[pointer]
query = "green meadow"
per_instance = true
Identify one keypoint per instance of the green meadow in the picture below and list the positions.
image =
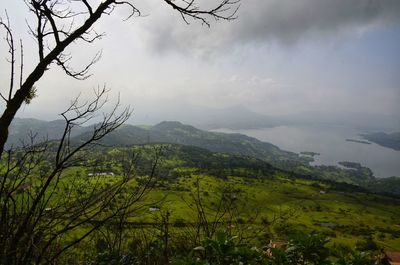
(264, 203)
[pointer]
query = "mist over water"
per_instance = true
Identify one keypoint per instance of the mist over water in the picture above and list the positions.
(330, 142)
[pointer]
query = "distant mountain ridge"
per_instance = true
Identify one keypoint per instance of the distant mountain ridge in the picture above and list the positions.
(237, 117)
(23, 131)
(172, 132)
(177, 133)
(240, 117)
(233, 117)
(165, 132)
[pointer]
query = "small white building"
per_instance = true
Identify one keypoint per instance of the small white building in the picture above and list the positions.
(101, 174)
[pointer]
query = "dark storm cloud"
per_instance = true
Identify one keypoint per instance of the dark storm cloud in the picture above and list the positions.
(284, 21)
(291, 20)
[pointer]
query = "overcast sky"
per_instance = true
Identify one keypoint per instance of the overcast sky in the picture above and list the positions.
(278, 57)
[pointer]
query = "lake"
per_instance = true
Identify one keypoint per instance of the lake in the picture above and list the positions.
(330, 142)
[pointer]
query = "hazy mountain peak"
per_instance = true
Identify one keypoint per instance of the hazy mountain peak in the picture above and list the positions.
(168, 124)
(171, 125)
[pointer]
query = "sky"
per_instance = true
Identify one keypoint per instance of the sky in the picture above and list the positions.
(279, 57)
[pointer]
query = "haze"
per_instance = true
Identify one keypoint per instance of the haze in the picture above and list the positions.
(277, 58)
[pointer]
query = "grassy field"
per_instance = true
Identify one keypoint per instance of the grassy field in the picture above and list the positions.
(280, 206)
(241, 195)
(267, 204)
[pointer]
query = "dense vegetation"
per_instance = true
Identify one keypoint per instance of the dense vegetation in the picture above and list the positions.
(203, 207)
(237, 144)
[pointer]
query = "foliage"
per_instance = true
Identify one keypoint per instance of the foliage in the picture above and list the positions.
(307, 249)
(265, 156)
(193, 205)
(302, 249)
(223, 250)
(357, 258)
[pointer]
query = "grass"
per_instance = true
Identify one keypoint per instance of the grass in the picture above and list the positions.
(286, 203)
(270, 204)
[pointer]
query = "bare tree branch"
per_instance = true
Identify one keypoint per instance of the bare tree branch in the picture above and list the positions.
(34, 211)
(22, 229)
(225, 10)
(11, 50)
(53, 38)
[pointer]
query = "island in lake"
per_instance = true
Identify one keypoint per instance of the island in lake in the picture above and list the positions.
(358, 141)
(348, 164)
(390, 140)
(307, 153)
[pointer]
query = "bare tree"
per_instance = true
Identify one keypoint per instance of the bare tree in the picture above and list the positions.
(222, 213)
(41, 207)
(59, 24)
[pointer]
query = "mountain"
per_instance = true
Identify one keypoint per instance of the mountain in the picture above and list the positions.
(172, 132)
(234, 117)
(23, 131)
(240, 117)
(237, 144)
(178, 133)
(360, 121)
(175, 132)
(165, 132)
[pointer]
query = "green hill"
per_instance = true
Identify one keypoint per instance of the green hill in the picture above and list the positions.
(178, 133)
(273, 203)
(236, 144)
(23, 131)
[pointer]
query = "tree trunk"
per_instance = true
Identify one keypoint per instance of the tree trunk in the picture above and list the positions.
(16, 102)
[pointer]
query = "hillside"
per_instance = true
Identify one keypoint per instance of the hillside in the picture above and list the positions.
(236, 144)
(390, 140)
(22, 131)
(274, 203)
(164, 132)
(219, 142)
(193, 196)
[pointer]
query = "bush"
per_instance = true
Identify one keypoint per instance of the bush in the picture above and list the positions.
(308, 249)
(367, 244)
(222, 250)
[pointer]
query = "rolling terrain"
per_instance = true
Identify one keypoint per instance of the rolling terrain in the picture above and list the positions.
(268, 203)
(235, 144)
(190, 194)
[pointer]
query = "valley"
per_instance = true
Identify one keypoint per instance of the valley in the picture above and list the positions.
(182, 185)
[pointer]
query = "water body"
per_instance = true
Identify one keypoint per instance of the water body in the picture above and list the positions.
(330, 142)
